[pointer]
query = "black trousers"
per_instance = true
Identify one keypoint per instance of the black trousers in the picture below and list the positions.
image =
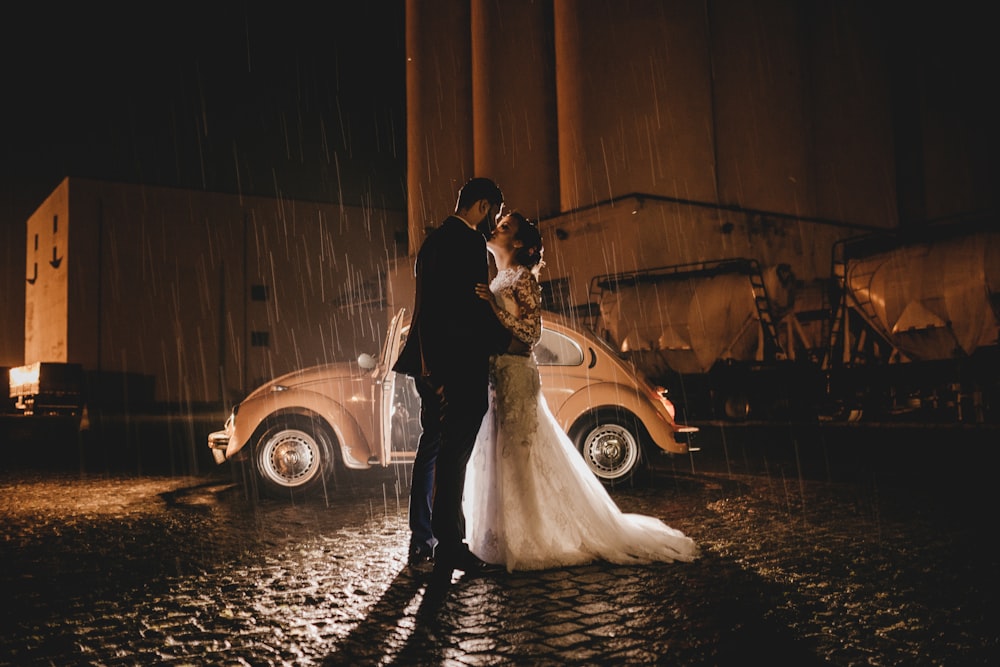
(455, 410)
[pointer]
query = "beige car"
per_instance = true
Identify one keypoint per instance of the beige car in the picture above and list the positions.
(297, 429)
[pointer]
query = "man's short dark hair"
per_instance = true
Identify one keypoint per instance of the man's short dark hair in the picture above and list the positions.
(476, 189)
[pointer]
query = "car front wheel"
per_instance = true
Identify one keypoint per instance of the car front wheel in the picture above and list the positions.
(293, 456)
(610, 447)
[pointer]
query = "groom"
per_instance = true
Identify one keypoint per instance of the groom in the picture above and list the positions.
(452, 335)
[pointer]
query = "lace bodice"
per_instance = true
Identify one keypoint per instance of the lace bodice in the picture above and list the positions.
(520, 299)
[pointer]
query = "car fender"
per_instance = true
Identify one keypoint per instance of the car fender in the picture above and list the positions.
(657, 421)
(354, 445)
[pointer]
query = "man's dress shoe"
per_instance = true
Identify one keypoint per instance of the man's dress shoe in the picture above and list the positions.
(420, 557)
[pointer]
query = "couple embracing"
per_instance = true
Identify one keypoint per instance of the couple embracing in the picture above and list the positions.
(496, 482)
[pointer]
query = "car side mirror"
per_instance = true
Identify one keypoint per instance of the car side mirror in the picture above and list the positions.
(367, 361)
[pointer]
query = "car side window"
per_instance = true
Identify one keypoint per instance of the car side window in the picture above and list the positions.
(555, 349)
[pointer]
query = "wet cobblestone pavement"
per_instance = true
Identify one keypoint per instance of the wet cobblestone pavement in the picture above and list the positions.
(804, 562)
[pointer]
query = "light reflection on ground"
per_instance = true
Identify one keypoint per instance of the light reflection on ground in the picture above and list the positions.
(865, 567)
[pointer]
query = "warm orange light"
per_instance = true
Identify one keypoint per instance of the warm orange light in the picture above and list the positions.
(24, 379)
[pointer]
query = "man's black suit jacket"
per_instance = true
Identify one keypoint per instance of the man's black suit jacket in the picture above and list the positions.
(452, 332)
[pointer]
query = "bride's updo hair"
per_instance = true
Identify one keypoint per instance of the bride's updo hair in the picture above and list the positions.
(529, 254)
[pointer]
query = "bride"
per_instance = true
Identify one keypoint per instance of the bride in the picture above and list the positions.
(530, 502)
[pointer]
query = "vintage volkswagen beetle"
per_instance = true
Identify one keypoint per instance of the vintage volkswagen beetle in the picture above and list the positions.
(297, 430)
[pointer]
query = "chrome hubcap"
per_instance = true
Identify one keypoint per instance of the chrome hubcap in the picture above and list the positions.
(290, 458)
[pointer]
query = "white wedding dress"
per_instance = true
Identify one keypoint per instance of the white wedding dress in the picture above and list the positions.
(530, 501)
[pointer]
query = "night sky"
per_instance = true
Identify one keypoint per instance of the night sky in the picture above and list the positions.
(301, 100)
(306, 103)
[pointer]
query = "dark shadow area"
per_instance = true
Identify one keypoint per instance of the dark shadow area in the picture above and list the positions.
(390, 626)
(561, 617)
(161, 442)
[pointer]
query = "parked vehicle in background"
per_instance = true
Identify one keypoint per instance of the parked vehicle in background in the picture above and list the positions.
(296, 430)
(906, 328)
(47, 389)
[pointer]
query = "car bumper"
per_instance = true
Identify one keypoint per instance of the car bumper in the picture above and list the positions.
(218, 441)
(687, 433)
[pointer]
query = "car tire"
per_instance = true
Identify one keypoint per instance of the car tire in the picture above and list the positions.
(610, 444)
(294, 456)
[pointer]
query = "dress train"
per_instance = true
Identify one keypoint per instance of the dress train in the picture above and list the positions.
(531, 502)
